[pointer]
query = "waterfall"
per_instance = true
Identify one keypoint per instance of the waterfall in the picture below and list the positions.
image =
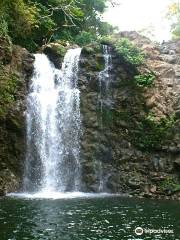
(104, 82)
(53, 126)
(104, 76)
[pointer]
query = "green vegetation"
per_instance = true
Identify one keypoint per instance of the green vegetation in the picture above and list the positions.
(3, 28)
(150, 132)
(146, 133)
(58, 47)
(170, 185)
(144, 80)
(8, 90)
(176, 187)
(84, 38)
(61, 51)
(107, 39)
(32, 23)
(124, 47)
(129, 52)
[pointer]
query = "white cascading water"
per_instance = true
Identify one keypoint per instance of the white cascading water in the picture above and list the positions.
(104, 76)
(104, 81)
(53, 126)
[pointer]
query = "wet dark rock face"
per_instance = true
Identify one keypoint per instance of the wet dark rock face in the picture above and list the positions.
(16, 66)
(134, 156)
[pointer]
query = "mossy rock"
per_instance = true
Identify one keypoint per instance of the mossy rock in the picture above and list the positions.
(170, 185)
(5, 51)
(56, 53)
(87, 50)
(149, 133)
(92, 49)
(8, 90)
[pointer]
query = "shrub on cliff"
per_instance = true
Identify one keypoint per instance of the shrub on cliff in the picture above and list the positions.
(84, 38)
(129, 52)
(151, 132)
(125, 48)
(144, 80)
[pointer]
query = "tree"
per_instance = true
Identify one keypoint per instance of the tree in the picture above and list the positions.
(18, 20)
(32, 23)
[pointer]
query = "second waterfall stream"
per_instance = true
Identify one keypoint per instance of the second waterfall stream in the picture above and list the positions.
(53, 127)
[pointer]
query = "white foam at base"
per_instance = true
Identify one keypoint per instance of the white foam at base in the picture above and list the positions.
(59, 195)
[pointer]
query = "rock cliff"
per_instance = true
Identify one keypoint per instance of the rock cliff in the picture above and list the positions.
(16, 66)
(133, 137)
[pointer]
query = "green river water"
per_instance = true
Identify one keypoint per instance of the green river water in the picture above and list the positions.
(88, 218)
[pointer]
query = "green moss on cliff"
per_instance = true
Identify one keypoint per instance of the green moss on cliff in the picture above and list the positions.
(124, 47)
(145, 133)
(57, 48)
(144, 80)
(150, 133)
(129, 52)
(170, 185)
(5, 51)
(93, 48)
(8, 89)
(7, 80)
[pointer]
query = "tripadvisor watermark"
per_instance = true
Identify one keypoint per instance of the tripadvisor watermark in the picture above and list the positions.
(140, 231)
